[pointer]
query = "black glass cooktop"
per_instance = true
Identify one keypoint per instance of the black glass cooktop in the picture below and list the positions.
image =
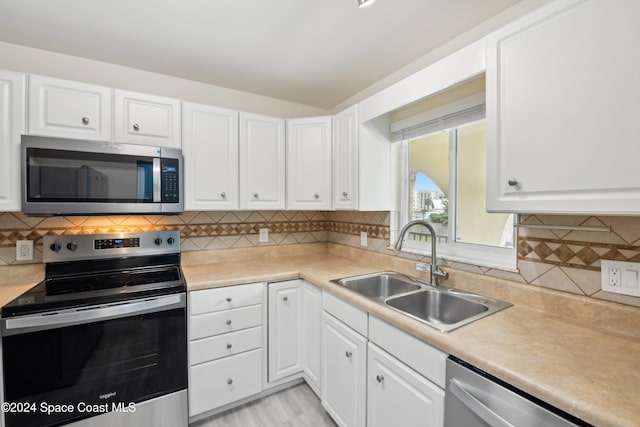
(84, 283)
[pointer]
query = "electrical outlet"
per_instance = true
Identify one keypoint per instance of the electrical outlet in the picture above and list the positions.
(24, 250)
(620, 277)
(264, 235)
(363, 239)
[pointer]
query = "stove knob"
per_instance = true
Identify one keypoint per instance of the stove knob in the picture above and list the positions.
(170, 240)
(158, 241)
(72, 246)
(55, 247)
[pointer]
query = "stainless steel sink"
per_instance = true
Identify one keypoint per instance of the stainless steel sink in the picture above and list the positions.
(442, 308)
(379, 286)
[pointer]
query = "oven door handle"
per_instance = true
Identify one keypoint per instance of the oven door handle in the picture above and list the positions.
(70, 317)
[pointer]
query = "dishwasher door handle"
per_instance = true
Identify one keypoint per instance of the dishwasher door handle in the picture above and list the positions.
(475, 406)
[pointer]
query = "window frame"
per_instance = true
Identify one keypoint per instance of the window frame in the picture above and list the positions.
(468, 253)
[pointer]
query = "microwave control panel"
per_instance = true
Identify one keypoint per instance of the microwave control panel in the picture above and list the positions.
(170, 181)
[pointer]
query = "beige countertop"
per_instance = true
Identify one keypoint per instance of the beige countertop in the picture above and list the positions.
(589, 372)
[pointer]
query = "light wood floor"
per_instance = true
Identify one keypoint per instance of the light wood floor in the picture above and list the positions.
(297, 406)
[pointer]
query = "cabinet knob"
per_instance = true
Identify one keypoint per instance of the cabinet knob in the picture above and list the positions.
(512, 182)
(379, 378)
(136, 127)
(229, 345)
(348, 354)
(255, 195)
(85, 120)
(345, 194)
(230, 381)
(223, 195)
(229, 322)
(229, 299)
(316, 195)
(285, 299)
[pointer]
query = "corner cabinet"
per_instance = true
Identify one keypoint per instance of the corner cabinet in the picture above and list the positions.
(210, 149)
(68, 109)
(262, 162)
(562, 110)
(311, 339)
(12, 123)
(345, 159)
(147, 119)
(309, 163)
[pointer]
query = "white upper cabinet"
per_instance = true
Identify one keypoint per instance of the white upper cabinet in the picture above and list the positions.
(147, 119)
(309, 163)
(68, 109)
(562, 110)
(262, 162)
(210, 149)
(345, 159)
(12, 118)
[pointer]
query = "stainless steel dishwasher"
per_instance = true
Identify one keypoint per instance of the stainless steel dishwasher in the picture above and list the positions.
(475, 398)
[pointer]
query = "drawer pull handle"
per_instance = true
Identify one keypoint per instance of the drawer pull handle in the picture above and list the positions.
(348, 354)
(316, 195)
(513, 182)
(136, 127)
(230, 381)
(229, 345)
(285, 299)
(85, 120)
(229, 322)
(379, 378)
(223, 195)
(228, 299)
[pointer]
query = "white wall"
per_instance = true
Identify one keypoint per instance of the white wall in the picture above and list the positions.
(28, 60)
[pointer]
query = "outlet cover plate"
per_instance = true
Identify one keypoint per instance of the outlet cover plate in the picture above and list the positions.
(620, 277)
(264, 235)
(24, 250)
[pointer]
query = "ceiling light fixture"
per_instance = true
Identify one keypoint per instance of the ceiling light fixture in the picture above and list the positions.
(365, 3)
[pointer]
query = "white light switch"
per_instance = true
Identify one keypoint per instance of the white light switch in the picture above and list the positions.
(363, 239)
(264, 235)
(620, 277)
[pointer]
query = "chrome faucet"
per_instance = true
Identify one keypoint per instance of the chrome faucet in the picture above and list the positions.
(435, 271)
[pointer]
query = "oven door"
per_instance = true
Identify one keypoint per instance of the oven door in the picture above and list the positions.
(79, 363)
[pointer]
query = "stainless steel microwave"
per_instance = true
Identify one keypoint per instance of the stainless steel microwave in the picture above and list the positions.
(72, 177)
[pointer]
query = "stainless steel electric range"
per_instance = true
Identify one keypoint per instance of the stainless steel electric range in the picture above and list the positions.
(102, 340)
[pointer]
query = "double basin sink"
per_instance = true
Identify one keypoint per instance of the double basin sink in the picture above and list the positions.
(442, 308)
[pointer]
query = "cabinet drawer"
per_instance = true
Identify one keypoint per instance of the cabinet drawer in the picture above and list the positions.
(213, 348)
(223, 381)
(222, 322)
(210, 300)
(352, 316)
(428, 361)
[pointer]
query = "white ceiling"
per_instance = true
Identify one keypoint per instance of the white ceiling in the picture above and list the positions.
(317, 53)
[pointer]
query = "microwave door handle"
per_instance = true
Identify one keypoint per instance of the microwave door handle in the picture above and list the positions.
(24, 324)
(157, 185)
(475, 406)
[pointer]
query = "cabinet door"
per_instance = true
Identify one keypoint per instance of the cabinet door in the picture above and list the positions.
(284, 329)
(12, 115)
(210, 149)
(344, 366)
(562, 110)
(147, 119)
(397, 395)
(345, 159)
(262, 162)
(311, 337)
(68, 109)
(309, 163)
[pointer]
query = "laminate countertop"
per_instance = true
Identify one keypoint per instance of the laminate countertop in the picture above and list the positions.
(590, 372)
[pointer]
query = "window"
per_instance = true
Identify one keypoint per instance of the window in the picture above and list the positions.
(444, 183)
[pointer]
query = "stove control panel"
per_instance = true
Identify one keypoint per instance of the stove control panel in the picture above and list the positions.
(92, 246)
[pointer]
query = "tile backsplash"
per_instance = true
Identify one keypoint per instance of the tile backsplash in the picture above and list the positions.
(558, 259)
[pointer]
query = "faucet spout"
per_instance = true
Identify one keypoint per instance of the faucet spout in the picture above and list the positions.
(434, 271)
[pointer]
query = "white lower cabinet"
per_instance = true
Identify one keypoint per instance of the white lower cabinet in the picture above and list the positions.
(311, 338)
(284, 329)
(344, 370)
(399, 396)
(225, 346)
